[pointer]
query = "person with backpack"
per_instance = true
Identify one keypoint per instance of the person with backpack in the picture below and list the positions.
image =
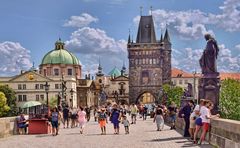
(102, 120)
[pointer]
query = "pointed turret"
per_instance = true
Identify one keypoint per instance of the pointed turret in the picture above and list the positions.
(99, 73)
(123, 70)
(146, 31)
(129, 39)
(167, 37)
(161, 39)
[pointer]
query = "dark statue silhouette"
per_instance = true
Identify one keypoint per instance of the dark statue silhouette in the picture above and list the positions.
(209, 57)
(209, 85)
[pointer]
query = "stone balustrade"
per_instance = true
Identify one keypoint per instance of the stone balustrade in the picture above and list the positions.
(8, 126)
(223, 133)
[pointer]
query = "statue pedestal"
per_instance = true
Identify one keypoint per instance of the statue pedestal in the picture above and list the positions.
(209, 88)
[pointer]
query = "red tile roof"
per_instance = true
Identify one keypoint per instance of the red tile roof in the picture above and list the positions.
(235, 76)
(183, 74)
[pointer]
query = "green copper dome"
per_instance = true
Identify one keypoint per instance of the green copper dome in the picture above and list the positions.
(60, 55)
(115, 72)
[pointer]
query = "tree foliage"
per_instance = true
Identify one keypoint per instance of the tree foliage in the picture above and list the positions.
(53, 102)
(173, 94)
(230, 99)
(11, 99)
(4, 108)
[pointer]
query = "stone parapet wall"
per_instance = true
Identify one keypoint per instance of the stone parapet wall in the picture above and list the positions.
(225, 133)
(7, 126)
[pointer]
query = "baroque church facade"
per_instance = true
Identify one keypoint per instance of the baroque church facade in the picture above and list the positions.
(149, 62)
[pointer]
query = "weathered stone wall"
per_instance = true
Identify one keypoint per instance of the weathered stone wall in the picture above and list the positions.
(7, 126)
(224, 133)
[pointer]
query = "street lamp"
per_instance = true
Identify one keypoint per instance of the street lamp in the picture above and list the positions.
(194, 85)
(71, 100)
(47, 90)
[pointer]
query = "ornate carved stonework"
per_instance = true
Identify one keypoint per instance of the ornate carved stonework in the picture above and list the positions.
(149, 61)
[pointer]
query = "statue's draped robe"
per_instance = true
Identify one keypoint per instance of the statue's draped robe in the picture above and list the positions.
(208, 59)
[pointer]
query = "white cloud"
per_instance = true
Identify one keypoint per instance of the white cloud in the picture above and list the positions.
(230, 17)
(80, 21)
(193, 24)
(14, 58)
(95, 41)
(92, 43)
(238, 47)
(188, 59)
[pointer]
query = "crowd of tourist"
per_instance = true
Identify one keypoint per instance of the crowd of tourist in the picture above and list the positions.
(196, 117)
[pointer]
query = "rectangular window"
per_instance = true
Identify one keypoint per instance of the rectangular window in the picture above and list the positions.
(41, 86)
(186, 81)
(56, 72)
(143, 61)
(37, 97)
(70, 72)
(19, 86)
(42, 97)
(154, 61)
(24, 86)
(56, 86)
(140, 61)
(147, 61)
(180, 81)
(25, 98)
(36, 86)
(19, 98)
(150, 61)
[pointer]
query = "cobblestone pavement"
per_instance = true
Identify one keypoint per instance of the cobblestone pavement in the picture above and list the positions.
(142, 135)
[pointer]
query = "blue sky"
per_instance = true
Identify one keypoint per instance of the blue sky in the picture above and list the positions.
(99, 28)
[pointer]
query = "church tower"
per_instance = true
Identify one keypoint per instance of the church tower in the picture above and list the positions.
(149, 61)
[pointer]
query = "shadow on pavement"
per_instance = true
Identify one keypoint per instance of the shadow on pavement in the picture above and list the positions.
(168, 139)
(41, 136)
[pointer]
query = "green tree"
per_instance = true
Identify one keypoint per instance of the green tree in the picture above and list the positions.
(4, 108)
(11, 99)
(173, 94)
(230, 99)
(52, 102)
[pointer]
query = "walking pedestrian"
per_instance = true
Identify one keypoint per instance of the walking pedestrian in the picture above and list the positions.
(115, 118)
(134, 111)
(126, 124)
(172, 114)
(102, 120)
(55, 117)
(65, 117)
(81, 119)
(158, 118)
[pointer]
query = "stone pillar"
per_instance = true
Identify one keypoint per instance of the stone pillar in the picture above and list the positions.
(209, 88)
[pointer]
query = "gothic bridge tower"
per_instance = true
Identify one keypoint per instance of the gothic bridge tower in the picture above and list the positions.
(149, 63)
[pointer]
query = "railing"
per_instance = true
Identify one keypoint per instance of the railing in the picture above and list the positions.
(8, 126)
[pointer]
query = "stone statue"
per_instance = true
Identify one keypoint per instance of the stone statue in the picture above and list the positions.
(209, 57)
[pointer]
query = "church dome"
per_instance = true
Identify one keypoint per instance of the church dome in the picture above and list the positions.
(59, 55)
(115, 72)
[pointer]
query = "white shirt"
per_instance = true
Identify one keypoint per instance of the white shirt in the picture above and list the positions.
(204, 111)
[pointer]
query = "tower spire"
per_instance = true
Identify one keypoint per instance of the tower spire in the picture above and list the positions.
(167, 37)
(129, 38)
(99, 73)
(151, 10)
(141, 10)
